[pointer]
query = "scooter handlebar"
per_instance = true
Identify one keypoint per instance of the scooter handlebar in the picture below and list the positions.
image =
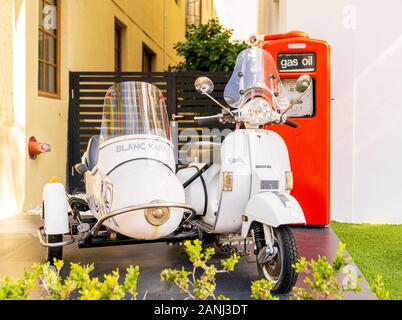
(202, 121)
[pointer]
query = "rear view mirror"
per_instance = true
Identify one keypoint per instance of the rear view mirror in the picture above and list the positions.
(204, 85)
(303, 83)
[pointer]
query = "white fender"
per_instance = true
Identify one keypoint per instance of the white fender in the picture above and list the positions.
(55, 209)
(274, 209)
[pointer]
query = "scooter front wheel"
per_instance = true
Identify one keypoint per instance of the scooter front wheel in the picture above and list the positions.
(279, 269)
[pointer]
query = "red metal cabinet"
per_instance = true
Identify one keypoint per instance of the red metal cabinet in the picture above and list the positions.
(310, 144)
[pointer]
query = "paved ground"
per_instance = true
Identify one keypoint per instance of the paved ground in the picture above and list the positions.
(20, 248)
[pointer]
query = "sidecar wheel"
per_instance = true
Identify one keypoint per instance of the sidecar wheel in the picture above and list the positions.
(280, 270)
(54, 253)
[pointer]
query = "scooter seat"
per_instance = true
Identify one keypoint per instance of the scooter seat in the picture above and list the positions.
(91, 155)
(204, 152)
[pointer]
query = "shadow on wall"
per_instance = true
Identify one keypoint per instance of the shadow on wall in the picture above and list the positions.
(378, 138)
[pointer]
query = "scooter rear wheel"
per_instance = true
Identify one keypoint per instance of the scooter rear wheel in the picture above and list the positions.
(279, 270)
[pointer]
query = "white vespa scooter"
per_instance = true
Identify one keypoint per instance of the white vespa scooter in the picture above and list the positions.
(247, 187)
(134, 196)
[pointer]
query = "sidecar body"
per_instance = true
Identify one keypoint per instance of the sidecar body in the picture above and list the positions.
(132, 192)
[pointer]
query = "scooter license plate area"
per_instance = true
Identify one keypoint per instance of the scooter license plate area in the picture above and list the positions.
(269, 184)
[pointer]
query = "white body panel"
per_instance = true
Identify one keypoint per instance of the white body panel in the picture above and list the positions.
(55, 209)
(235, 155)
(117, 151)
(135, 170)
(259, 162)
(273, 209)
(195, 194)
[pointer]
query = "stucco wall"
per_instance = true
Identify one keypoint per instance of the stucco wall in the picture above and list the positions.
(208, 10)
(87, 44)
(366, 41)
(6, 54)
(12, 126)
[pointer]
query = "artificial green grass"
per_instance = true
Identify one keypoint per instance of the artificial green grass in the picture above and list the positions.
(377, 250)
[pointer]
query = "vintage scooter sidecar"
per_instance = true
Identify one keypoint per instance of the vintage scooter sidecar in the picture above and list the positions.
(136, 164)
(129, 170)
(240, 198)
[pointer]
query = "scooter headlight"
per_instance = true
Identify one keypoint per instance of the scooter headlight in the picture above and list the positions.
(257, 112)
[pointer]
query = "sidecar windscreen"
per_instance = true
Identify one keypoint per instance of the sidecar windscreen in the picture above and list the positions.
(255, 74)
(133, 108)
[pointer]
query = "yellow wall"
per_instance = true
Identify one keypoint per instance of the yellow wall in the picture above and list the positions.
(87, 44)
(12, 126)
(208, 10)
(6, 74)
(272, 16)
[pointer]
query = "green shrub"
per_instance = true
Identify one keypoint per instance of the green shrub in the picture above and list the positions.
(131, 281)
(51, 284)
(323, 278)
(208, 48)
(20, 289)
(200, 283)
(261, 290)
(79, 282)
(378, 288)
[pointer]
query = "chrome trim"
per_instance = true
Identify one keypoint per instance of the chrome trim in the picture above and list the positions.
(281, 196)
(113, 214)
(53, 245)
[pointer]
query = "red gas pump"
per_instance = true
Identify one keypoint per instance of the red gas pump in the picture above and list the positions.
(309, 146)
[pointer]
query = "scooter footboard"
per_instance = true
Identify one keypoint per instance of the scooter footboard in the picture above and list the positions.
(274, 209)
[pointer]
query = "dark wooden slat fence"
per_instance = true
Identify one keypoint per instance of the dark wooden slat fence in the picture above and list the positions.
(87, 92)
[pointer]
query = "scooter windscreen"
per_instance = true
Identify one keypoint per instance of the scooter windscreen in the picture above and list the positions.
(134, 108)
(256, 75)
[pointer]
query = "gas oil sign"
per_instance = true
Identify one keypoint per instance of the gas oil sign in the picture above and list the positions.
(296, 62)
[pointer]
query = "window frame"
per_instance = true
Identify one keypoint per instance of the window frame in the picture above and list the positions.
(118, 29)
(193, 17)
(147, 51)
(57, 94)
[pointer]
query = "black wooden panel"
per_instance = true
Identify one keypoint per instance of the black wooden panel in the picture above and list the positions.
(87, 91)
